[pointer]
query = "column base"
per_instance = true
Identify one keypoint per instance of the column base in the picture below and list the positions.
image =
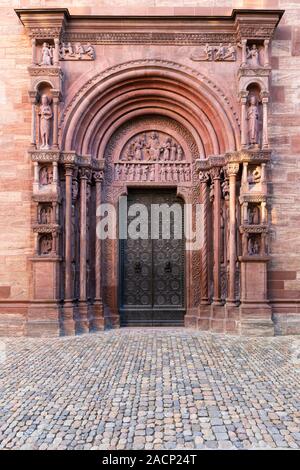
(67, 321)
(97, 316)
(82, 318)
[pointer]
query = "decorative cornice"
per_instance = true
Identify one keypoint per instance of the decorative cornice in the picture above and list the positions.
(45, 71)
(46, 228)
(253, 228)
(44, 155)
(177, 30)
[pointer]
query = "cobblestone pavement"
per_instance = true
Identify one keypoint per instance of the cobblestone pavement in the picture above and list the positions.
(162, 388)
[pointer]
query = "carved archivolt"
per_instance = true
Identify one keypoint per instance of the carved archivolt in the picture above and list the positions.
(162, 64)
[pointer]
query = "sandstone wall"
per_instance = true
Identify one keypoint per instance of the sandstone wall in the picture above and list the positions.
(16, 241)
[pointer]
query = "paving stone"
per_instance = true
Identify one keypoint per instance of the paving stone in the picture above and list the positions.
(162, 388)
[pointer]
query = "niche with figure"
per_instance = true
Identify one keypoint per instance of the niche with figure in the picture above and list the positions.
(45, 244)
(45, 214)
(253, 214)
(45, 176)
(45, 116)
(254, 116)
(255, 54)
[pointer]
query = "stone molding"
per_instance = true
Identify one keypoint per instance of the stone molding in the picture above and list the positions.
(165, 30)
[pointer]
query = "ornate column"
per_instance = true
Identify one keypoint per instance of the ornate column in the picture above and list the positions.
(243, 99)
(204, 177)
(215, 174)
(33, 45)
(98, 321)
(232, 170)
(244, 52)
(32, 96)
(84, 175)
(265, 137)
(68, 313)
(266, 52)
(56, 52)
(55, 95)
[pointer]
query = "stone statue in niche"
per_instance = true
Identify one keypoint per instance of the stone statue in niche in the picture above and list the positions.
(77, 52)
(45, 122)
(152, 146)
(46, 244)
(253, 56)
(253, 215)
(46, 176)
(252, 118)
(255, 175)
(253, 246)
(47, 54)
(45, 215)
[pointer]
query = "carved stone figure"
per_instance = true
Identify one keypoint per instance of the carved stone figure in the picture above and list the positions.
(253, 56)
(166, 149)
(181, 174)
(138, 172)
(220, 52)
(231, 52)
(209, 50)
(131, 173)
(145, 173)
(162, 172)
(45, 215)
(187, 173)
(173, 151)
(152, 173)
(152, 146)
(78, 52)
(252, 117)
(47, 54)
(46, 245)
(253, 246)
(255, 176)
(45, 122)
(179, 152)
(74, 190)
(253, 215)
(138, 150)
(46, 176)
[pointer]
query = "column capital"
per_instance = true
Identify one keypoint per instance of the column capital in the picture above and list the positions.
(243, 95)
(56, 95)
(232, 169)
(264, 95)
(98, 176)
(203, 176)
(84, 173)
(215, 173)
(69, 169)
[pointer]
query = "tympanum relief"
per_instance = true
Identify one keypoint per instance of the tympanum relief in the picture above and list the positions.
(152, 156)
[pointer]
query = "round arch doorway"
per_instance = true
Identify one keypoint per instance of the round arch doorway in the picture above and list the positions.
(152, 259)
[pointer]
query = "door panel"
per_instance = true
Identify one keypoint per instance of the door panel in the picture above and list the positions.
(152, 271)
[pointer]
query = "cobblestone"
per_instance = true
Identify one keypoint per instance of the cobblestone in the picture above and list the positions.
(163, 388)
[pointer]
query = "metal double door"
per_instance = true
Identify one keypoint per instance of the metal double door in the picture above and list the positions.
(152, 270)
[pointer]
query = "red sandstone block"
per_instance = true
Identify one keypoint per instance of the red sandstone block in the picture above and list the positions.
(276, 285)
(296, 41)
(5, 292)
(275, 62)
(295, 143)
(283, 275)
(278, 93)
(283, 33)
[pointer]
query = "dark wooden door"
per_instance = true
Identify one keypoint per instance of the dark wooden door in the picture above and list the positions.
(152, 270)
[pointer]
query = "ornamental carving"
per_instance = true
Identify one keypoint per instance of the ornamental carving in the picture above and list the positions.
(77, 51)
(150, 38)
(159, 172)
(220, 53)
(152, 146)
